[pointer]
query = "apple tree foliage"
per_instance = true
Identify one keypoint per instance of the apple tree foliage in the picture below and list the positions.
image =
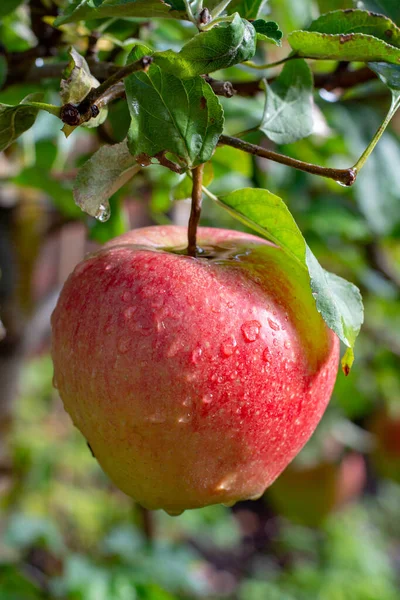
(180, 83)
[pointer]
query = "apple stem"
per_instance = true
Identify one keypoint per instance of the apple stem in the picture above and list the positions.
(197, 196)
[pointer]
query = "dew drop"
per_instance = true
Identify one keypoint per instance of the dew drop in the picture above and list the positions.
(157, 418)
(123, 345)
(129, 312)
(185, 418)
(273, 325)
(173, 512)
(265, 355)
(256, 496)
(103, 212)
(287, 344)
(226, 484)
(126, 297)
(230, 305)
(228, 346)
(82, 267)
(207, 399)
(229, 504)
(196, 355)
(251, 330)
(275, 342)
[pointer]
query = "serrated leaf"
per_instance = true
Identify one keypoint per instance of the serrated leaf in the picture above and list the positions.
(100, 9)
(221, 47)
(357, 21)
(248, 9)
(183, 117)
(390, 8)
(288, 108)
(14, 120)
(101, 176)
(347, 47)
(268, 31)
(338, 301)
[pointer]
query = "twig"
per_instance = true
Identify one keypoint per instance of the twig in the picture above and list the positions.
(197, 196)
(221, 88)
(343, 176)
(76, 115)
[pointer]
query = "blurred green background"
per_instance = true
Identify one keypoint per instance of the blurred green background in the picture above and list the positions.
(329, 528)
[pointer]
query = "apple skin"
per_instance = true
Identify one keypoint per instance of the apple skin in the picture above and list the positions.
(194, 380)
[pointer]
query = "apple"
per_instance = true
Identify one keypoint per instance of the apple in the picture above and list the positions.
(308, 494)
(385, 426)
(194, 380)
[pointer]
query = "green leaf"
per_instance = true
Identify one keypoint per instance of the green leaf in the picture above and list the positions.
(248, 9)
(389, 74)
(14, 120)
(268, 31)
(349, 47)
(100, 9)
(390, 8)
(357, 21)
(288, 107)
(8, 6)
(183, 117)
(101, 176)
(221, 47)
(351, 35)
(338, 301)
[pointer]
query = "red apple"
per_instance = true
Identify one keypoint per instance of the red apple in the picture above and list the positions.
(194, 380)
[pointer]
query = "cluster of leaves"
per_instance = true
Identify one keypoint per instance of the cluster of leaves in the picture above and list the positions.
(177, 118)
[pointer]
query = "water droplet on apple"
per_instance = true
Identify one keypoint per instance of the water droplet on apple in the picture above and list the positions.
(273, 325)
(207, 399)
(287, 344)
(126, 297)
(103, 213)
(226, 484)
(251, 330)
(54, 382)
(256, 496)
(123, 345)
(172, 512)
(157, 418)
(228, 346)
(230, 305)
(185, 418)
(265, 355)
(196, 355)
(275, 342)
(82, 267)
(229, 504)
(129, 312)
